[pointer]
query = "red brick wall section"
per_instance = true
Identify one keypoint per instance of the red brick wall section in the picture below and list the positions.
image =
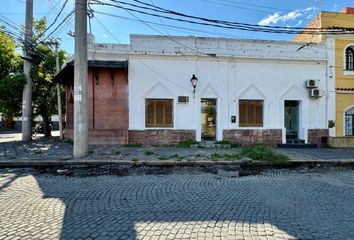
(108, 100)
(160, 137)
(315, 136)
(107, 107)
(69, 106)
(106, 137)
(270, 137)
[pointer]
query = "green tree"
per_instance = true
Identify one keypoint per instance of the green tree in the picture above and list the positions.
(44, 96)
(11, 78)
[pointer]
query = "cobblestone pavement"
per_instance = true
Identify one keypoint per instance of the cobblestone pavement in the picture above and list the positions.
(275, 205)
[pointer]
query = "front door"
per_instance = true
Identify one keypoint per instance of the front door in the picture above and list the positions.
(208, 118)
(291, 119)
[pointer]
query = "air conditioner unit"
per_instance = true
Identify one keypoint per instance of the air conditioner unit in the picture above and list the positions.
(183, 99)
(312, 83)
(315, 93)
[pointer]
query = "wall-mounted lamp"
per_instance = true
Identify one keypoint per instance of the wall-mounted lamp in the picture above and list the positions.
(194, 81)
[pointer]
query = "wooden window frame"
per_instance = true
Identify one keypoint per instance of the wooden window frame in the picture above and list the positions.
(253, 104)
(164, 124)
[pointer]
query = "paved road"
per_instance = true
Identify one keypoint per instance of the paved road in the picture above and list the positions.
(274, 205)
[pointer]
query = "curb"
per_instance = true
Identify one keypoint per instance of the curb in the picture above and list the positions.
(142, 163)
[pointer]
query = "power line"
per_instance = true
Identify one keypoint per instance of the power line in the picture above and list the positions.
(60, 24)
(55, 20)
(181, 29)
(141, 61)
(220, 23)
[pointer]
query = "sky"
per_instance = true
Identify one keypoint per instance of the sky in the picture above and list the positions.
(113, 25)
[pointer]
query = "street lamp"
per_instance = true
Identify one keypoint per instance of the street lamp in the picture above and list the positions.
(194, 81)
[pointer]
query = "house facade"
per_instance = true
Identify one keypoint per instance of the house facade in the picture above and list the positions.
(340, 68)
(246, 91)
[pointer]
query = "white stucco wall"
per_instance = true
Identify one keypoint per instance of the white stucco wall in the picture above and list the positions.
(236, 69)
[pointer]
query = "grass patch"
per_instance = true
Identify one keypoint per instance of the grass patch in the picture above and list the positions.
(215, 157)
(148, 152)
(186, 143)
(235, 145)
(226, 142)
(132, 145)
(223, 142)
(263, 153)
(229, 156)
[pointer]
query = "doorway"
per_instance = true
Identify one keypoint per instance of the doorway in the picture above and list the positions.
(291, 119)
(208, 119)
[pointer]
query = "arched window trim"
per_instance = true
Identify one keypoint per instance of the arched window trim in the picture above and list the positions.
(349, 58)
(349, 121)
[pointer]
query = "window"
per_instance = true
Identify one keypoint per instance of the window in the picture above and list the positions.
(349, 122)
(251, 113)
(159, 112)
(349, 58)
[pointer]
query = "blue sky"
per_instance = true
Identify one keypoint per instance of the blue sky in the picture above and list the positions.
(116, 29)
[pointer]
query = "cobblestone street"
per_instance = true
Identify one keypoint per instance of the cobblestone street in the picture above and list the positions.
(274, 205)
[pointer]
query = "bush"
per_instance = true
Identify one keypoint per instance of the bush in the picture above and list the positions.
(263, 154)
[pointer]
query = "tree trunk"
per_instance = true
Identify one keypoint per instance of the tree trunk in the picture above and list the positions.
(46, 123)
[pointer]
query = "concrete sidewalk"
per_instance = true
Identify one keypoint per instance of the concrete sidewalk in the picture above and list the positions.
(51, 151)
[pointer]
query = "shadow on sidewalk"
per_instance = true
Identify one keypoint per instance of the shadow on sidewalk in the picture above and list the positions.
(174, 206)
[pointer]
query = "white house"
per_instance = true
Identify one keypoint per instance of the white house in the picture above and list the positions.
(246, 91)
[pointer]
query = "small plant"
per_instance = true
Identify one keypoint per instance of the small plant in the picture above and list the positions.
(115, 152)
(69, 141)
(235, 145)
(132, 145)
(223, 142)
(215, 157)
(148, 152)
(186, 143)
(37, 152)
(229, 156)
(263, 153)
(163, 157)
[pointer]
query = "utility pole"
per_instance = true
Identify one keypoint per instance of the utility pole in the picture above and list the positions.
(60, 114)
(80, 80)
(27, 90)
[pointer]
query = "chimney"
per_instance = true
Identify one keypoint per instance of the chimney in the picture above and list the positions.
(348, 10)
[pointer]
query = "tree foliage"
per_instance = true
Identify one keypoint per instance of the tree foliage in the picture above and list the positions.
(44, 96)
(43, 55)
(11, 78)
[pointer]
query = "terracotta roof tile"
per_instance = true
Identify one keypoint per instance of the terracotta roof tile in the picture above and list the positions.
(345, 89)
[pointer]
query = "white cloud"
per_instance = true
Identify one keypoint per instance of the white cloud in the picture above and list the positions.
(288, 17)
(104, 35)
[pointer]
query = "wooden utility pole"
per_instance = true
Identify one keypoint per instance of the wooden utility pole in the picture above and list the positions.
(60, 114)
(80, 80)
(27, 90)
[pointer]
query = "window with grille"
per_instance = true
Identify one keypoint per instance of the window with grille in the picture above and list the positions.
(349, 122)
(159, 112)
(349, 58)
(251, 113)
